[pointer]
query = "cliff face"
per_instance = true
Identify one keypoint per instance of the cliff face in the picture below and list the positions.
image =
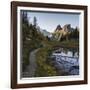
(58, 28)
(66, 28)
(61, 32)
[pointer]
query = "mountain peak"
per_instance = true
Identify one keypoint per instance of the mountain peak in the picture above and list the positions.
(58, 27)
(46, 33)
(67, 27)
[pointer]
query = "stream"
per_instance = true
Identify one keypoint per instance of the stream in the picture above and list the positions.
(66, 61)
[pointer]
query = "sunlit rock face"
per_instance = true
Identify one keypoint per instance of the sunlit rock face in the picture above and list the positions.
(67, 28)
(62, 31)
(58, 28)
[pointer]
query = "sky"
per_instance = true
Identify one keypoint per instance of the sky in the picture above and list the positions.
(49, 21)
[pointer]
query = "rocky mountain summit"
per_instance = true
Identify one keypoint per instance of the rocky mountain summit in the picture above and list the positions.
(58, 28)
(62, 32)
(66, 28)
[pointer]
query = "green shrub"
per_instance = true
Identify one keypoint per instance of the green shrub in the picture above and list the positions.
(43, 68)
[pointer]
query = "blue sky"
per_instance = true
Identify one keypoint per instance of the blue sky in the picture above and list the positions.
(49, 21)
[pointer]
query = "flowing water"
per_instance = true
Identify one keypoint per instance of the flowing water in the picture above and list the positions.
(66, 61)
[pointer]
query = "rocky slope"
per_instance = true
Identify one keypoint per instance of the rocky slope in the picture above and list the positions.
(62, 31)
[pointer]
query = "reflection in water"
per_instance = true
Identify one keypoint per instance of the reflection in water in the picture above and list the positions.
(66, 61)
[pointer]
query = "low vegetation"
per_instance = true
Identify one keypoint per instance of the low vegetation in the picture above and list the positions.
(33, 39)
(44, 68)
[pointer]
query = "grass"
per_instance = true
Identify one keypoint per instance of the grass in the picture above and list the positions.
(44, 68)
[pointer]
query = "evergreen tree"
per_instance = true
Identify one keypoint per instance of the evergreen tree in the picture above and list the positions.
(35, 21)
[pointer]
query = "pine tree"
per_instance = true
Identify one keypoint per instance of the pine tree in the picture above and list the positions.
(35, 21)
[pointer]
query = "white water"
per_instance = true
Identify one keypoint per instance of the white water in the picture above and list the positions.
(67, 61)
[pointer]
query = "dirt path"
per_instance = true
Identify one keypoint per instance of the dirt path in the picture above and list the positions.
(33, 65)
(31, 68)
